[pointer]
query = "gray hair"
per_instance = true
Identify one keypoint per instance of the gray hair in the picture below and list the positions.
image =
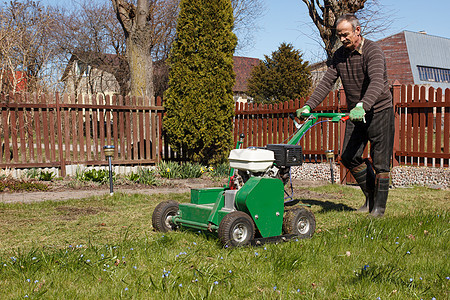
(351, 18)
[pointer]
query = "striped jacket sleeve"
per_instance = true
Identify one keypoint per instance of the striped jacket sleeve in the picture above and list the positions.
(324, 87)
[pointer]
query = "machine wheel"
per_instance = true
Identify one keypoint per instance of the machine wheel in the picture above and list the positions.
(299, 221)
(236, 229)
(162, 215)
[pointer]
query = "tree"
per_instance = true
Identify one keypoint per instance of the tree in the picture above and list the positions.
(143, 25)
(284, 76)
(25, 46)
(324, 14)
(199, 101)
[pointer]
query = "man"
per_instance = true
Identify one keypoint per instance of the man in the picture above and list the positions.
(361, 65)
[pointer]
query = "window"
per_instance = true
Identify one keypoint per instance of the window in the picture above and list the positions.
(433, 74)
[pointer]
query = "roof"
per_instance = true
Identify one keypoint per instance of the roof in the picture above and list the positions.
(427, 51)
(243, 67)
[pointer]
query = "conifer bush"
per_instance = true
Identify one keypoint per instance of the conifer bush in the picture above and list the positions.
(199, 101)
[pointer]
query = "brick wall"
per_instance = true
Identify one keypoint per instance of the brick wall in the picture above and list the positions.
(397, 59)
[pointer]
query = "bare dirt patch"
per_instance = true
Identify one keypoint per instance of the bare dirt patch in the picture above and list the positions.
(63, 190)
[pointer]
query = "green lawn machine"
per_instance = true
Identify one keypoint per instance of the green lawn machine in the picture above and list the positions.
(256, 206)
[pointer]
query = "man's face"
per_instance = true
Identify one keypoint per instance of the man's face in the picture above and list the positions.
(349, 38)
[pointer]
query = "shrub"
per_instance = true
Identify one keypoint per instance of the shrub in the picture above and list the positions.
(199, 101)
(46, 176)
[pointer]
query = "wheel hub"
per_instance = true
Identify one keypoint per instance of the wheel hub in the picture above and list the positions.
(303, 225)
(240, 233)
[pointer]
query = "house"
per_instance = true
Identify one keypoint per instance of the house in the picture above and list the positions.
(243, 67)
(411, 58)
(91, 73)
(417, 58)
(95, 73)
(13, 81)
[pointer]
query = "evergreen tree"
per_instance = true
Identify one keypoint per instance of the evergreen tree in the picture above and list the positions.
(199, 100)
(282, 77)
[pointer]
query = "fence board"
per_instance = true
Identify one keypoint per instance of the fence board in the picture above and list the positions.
(70, 131)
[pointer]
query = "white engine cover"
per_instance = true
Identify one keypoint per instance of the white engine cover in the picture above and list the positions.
(251, 159)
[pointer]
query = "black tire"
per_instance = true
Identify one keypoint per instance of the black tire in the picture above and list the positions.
(236, 229)
(161, 216)
(299, 221)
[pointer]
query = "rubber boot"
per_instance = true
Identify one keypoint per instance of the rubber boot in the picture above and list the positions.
(381, 194)
(365, 178)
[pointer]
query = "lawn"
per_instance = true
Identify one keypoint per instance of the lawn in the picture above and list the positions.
(105, 248)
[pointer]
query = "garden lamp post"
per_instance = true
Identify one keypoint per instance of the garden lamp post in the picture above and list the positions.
(109, 152)
(330, 157)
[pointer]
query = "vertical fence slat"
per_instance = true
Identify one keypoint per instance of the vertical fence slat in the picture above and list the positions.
(95, 129)
(121, 128)
(74, 142)
(447, 124)
(6, 132)
(37, 130)
(52, 116)
(108, 121)
(87, 123)
(135, 127)
(141, 141)
(422, 120)
(115, 118)
(101, 125)
(430, 119)
(416, 120)
(29, 130)
(66, 128)
(45, 128)
(439, 124)
(128, 128)
(21, 119)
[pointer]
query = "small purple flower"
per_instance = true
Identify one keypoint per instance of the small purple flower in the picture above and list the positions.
(126, 289)
(180, 285)
(216, 282)
(274, 288)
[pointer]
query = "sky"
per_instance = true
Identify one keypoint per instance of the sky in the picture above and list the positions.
(288, 21)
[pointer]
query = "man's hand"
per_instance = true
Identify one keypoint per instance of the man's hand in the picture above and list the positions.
(305, 109)
(357, 114)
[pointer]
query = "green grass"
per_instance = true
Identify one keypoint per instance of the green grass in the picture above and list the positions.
(104, 248)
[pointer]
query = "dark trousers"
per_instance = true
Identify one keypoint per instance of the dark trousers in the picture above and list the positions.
(379, 130)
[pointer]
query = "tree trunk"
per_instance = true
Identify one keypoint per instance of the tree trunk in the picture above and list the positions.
(141, 66)
(324, 16)
(138, 33)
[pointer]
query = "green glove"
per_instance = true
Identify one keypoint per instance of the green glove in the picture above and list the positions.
(358, 113)
(305, 109)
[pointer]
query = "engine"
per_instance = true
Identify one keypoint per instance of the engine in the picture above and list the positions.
(272, 161)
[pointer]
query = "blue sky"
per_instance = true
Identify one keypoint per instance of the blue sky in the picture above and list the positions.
(287, 21)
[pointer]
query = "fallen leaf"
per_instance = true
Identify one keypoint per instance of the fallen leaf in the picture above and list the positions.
(425, 232)
(412, 237)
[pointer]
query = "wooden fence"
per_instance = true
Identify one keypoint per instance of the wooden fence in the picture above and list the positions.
(48, 131)
(422, 117)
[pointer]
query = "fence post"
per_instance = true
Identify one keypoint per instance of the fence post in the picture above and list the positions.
(396, 100)
(60, 139)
